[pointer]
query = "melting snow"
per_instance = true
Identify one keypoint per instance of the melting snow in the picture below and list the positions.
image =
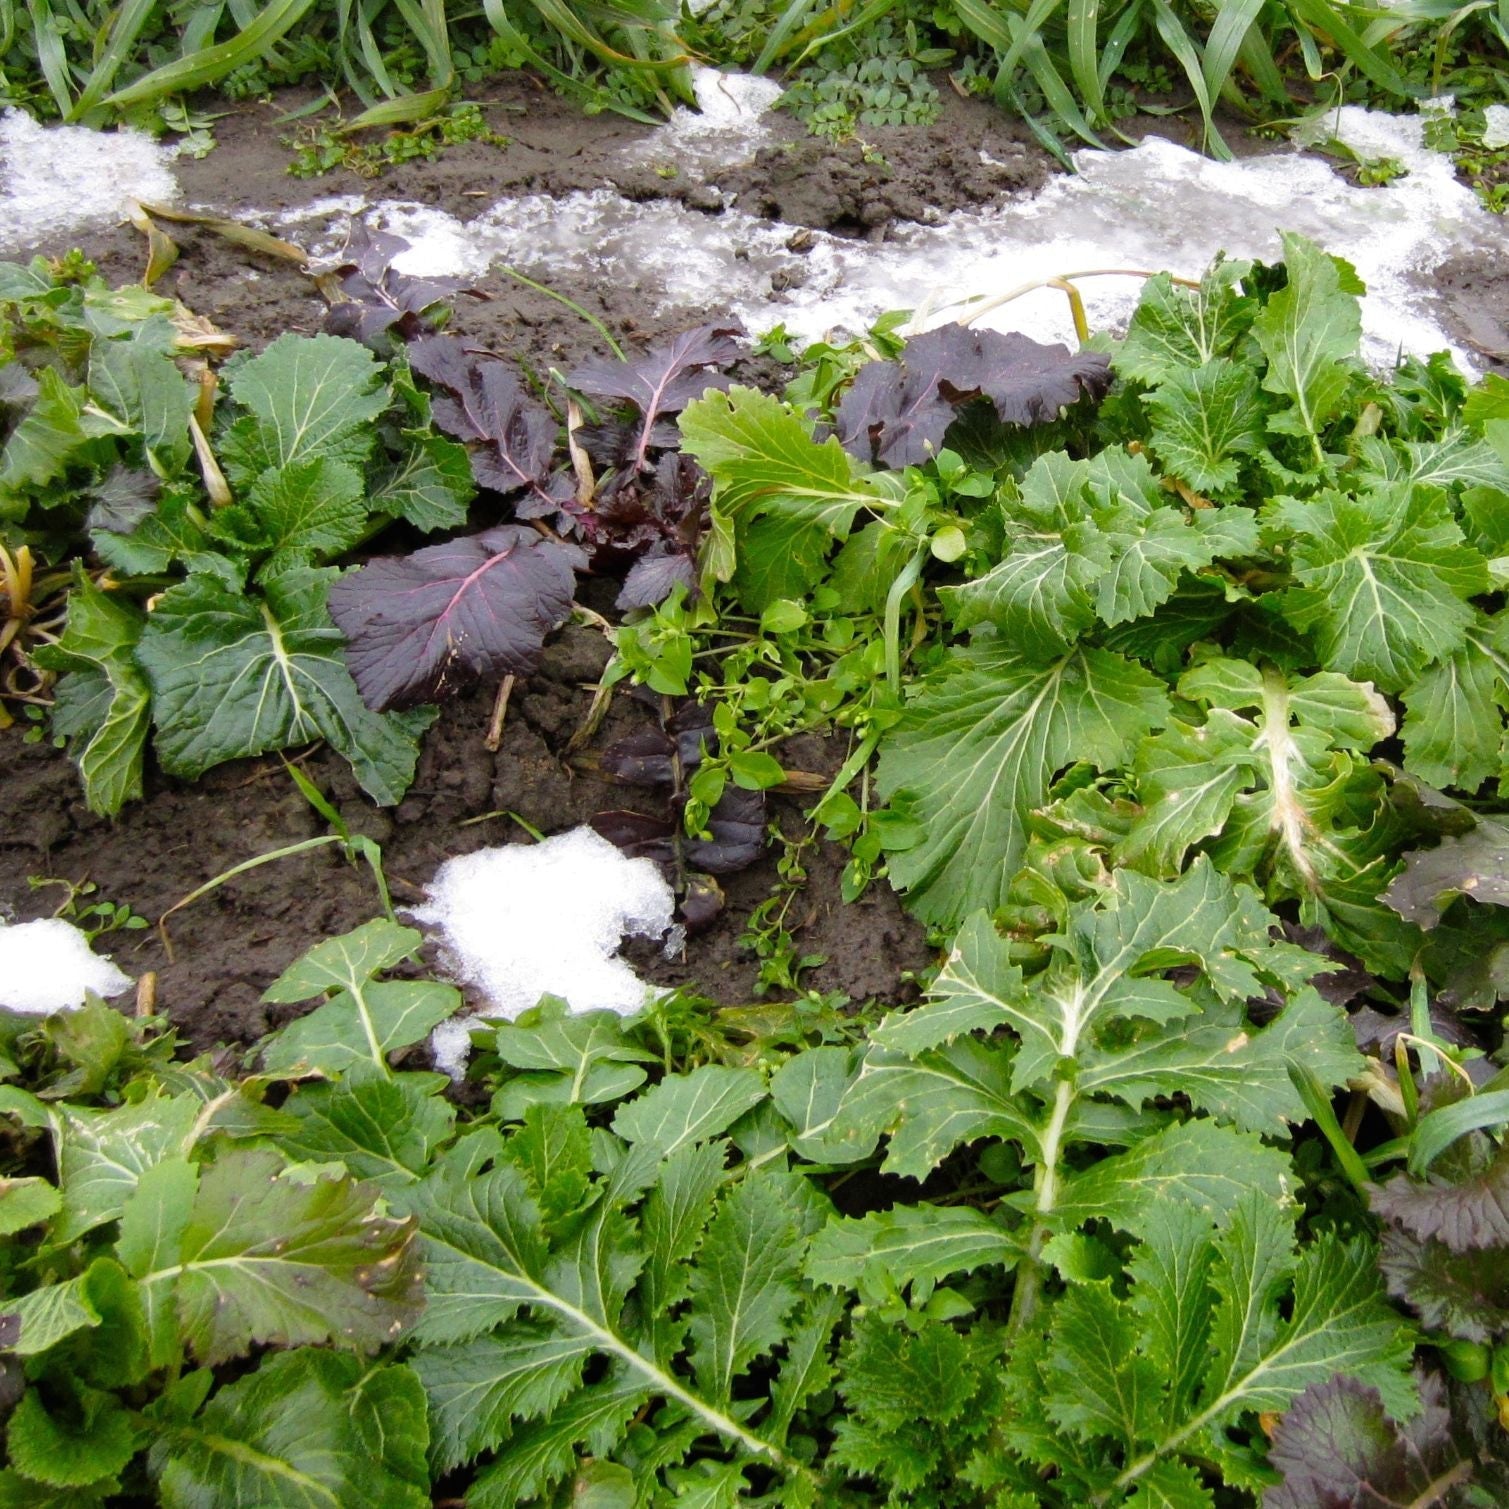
(1496, 127)
(1152, 207)
(55, 180)
(731, 120)
(528, 920)
(46, 966)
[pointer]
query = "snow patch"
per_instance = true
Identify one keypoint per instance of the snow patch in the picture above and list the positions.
(47, 965)
(731, 120)
(55, 180)
(1496, 127)
(451, 1046)
(529, 920)
(1154, 207)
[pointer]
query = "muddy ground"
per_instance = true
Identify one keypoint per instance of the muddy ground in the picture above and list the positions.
(228, 946)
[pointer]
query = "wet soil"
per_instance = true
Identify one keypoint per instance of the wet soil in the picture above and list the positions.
(229, 945)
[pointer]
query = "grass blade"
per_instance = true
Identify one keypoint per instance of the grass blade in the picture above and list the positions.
(211, 63)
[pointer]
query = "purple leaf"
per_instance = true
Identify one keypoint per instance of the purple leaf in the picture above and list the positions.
(639, 837)
(1336, 1448)
(510, 436)
(896, 413)
(652, 579)
(1467, 1214)
(378, 298)
(418, 626)
(661, 382)
(737, 829)
(1465, 1294)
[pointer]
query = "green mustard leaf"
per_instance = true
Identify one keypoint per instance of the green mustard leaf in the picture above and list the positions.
(307, 1430)
(1205, 419)
(1310, 331)
(103, 706)
(1382, 580)
(311, 509)
(1176, 329)
(256, 1255)
(306, 395)
(790, 498)
(428, 486)
(976, 750)
(234, 676)
(137, 382)
(909, 1244)
(687, 1108)
(385, 1131)
(1455, 710)
(75, 1448)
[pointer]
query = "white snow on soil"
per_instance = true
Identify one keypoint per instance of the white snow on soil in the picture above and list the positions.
(1153, 207)
(731, 120)
(55, 180)
(528, 920)
(46, 966)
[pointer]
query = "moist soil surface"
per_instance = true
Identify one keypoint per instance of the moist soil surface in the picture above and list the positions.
(229, 945)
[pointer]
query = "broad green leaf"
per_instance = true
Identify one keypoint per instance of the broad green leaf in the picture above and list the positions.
(566, 1059)
(137, 382)
(71, 1448)
(27, 1202)
(477, 1388)
(1223, 1318)
(808, 1090)
(490, 1257)
(1279, 796)
(345, 962)
(236, 675)
(1309, 331)
(365, 1020)
(259, 1257)
(545, 1451)
(1229, 1068)
(1208, 1166)
(362, 1025)
(1103, 968)
(675, 1214)
(307, 396)
(1382, 580)
(687, 1108)
(102, 1154)
(1454, 712)
(789, 497)
(931, 1103)
(976, 750)
(1204, 420)
(309, 1429)
(52, 434)
(42, 1318)
(428, 486)
(384, 1130)
(1176, 329)
(1083, 540)
(174, 533)
(103, 706)
(310, 510)
(909, 1244)
(746, 1280)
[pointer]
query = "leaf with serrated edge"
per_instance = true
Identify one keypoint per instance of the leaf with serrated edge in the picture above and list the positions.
(1383, 580)
(976, 750)
(909, 1244)
(689, 1108)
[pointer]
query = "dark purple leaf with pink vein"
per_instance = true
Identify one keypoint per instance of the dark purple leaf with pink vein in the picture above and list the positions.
(896, 413)
(419, 626)
(377, 296)
(663, 381)
(510, 437)
(1470, 1213)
